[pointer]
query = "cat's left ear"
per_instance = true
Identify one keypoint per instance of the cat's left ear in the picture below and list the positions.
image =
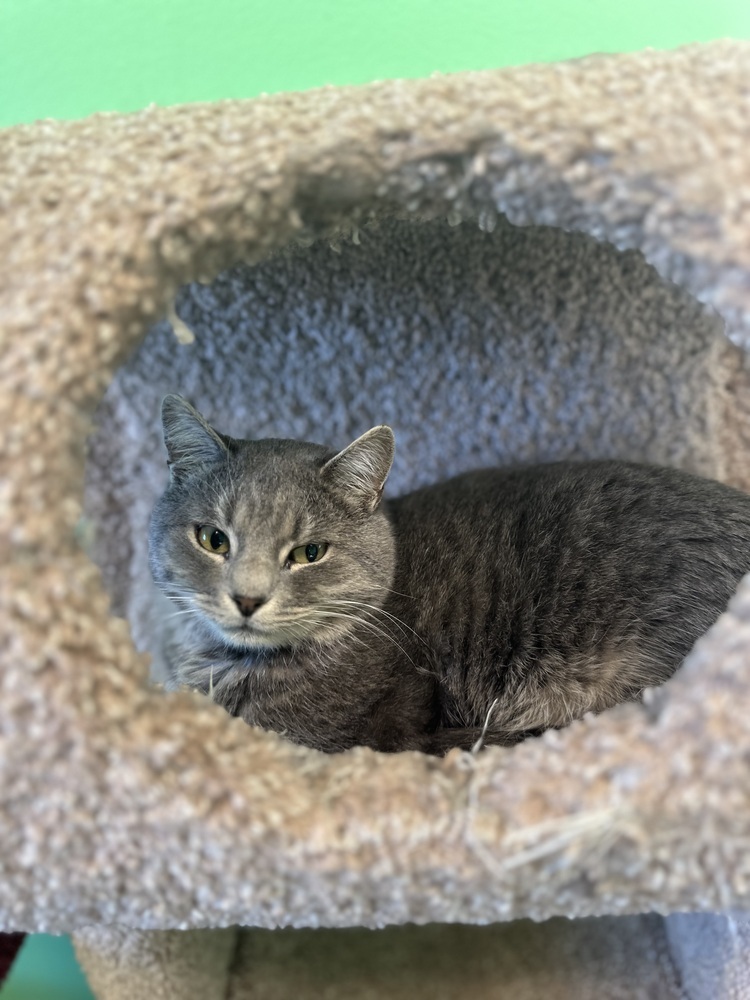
(190, 440)
(361, 469)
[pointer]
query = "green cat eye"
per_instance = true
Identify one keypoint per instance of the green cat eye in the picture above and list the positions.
(211, 538)
(309, 553)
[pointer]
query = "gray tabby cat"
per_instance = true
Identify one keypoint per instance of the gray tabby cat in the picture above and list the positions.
(520, 598)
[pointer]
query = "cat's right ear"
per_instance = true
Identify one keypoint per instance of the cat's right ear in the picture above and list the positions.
(359, 472)
(190, 441)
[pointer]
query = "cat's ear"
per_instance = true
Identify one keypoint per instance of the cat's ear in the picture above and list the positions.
(191, 442)
(361, 469)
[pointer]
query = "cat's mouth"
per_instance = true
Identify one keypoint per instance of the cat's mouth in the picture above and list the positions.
(254, 635)
(247, 628)
(289, 633)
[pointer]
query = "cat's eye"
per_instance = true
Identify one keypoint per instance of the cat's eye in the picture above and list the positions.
(212, 539)
(309, 553)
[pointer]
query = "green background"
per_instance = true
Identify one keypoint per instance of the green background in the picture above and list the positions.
(46, 969)
(69, 58)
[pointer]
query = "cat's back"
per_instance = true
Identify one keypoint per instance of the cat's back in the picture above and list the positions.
(559, 589)
(571, 496)
(573, 540)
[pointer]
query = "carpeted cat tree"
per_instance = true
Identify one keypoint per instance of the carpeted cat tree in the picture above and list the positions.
(506, 266)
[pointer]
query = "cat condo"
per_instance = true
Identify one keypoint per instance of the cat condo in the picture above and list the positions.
(537, 263)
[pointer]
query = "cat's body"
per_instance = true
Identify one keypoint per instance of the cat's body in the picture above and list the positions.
(518, 598)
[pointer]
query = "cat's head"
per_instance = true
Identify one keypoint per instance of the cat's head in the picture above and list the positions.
(271, 543)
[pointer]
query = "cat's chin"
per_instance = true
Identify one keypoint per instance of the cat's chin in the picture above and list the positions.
(269, 636)
(258, 637)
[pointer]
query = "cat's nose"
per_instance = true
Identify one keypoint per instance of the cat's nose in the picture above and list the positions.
(248, 605)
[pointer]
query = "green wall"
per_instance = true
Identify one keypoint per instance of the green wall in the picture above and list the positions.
(46, 969)
(68, 58)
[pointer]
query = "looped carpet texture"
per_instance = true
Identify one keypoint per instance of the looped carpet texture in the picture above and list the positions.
(550, 261)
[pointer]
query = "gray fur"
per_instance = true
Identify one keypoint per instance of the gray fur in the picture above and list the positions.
(528, 596)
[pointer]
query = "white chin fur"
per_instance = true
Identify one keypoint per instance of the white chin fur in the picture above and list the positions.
(261, 637)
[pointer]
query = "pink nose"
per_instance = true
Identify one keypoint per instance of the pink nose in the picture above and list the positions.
(247, 605)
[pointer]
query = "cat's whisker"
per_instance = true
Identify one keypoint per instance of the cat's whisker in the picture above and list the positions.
(366, 623)
(312, 617)
(184, 602)
(180, 598)
(382, 611)
(319, 623)
(390, 590)
(293, 617)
